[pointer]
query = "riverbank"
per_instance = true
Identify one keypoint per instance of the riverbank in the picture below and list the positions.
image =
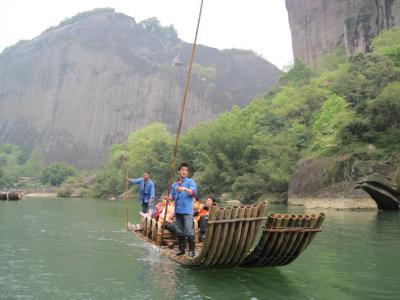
(41, 195)
(333, 203)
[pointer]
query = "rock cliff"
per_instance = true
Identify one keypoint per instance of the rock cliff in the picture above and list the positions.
(332, 182)
(319, 26)
(84, 85)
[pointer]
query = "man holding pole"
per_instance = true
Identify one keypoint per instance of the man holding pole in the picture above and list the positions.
(147, 191)
(182, 192)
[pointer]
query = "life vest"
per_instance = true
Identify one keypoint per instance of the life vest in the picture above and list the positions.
(159, 207)
(201, 212)
(196, 204)
(170, 213)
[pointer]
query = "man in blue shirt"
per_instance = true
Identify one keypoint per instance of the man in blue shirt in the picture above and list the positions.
(147, 192)
(182, 192)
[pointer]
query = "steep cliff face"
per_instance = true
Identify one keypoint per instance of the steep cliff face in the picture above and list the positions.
(84, 85)
(319, 26)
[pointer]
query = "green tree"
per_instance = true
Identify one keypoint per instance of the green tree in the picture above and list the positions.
(365, 79)
(57, 173)
(149, 149)
(388, 43)
(334, 114)
(299, 74)
(5, 181)
(153, 25)
(384, 111)
(35, 164)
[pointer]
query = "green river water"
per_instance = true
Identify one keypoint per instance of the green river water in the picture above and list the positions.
(78, 249)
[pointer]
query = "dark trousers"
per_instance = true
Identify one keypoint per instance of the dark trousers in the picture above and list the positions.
(171, 227)
(184, 224)
(145, 208)
(203, 224)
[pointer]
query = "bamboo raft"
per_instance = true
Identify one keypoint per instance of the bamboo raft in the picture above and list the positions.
(232, 231)
(11, 196)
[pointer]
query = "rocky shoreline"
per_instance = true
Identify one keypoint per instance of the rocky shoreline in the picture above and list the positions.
(333, 182)
(334, 203)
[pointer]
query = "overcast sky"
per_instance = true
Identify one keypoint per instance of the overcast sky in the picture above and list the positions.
(260, 25)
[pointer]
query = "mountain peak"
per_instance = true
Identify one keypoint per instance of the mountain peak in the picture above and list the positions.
(83, 85)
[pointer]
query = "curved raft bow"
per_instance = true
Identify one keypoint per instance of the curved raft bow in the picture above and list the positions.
(231, 232)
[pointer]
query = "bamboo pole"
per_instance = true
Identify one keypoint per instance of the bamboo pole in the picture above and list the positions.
(297, 223)
(248, 262)
(236, 237)
(251, 233)
(261, 213)
(243, 236)
(230, 235)
(216, 239)
(315, 222)
(154, 230)
(280, 235)
(286, 237)
(223, 238)
(299, 242)
(265, 253)
(318, 224)
(149, 221)
(159, 227)
(126, 196)
(308, 235)
(212, 216)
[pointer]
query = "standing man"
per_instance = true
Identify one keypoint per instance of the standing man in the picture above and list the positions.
(147, 192)
(182, 192)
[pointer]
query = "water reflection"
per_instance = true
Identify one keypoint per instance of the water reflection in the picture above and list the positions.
(243, 283)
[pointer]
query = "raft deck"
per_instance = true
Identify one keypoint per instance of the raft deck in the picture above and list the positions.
(232, 231)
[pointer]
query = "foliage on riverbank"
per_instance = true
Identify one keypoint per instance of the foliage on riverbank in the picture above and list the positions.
(24, 169)
(340, 107)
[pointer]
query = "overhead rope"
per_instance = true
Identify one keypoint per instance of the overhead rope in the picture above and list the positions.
(183, 105)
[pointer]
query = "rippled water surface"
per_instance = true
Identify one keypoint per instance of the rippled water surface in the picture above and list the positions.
(78, 249)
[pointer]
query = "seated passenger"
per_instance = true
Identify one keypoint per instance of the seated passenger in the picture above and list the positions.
(201, 215)
(170, 225)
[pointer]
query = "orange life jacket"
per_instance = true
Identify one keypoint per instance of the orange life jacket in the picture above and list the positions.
(201, 212)
(196, 204)
(170, 213)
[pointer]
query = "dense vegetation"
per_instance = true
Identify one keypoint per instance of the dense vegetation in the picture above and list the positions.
(55, 174)
(22, 168)
(18, 162)
(342, 106)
